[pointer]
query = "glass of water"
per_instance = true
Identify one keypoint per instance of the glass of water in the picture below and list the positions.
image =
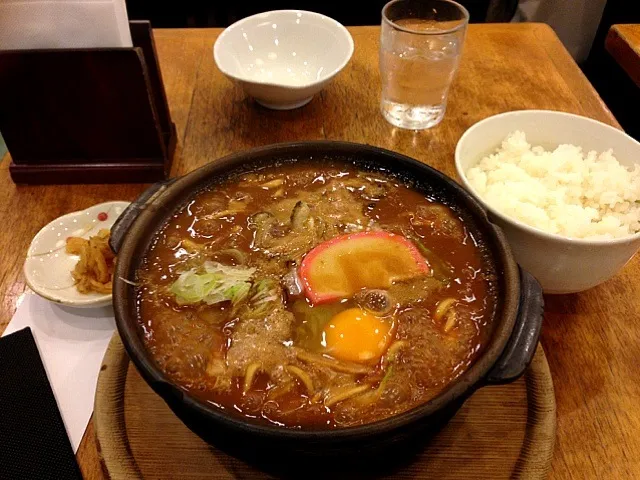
(420, 46)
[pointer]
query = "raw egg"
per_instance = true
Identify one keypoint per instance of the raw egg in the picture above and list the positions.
(356, 335)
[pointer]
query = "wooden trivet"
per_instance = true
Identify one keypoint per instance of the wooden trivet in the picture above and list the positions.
(501, 432)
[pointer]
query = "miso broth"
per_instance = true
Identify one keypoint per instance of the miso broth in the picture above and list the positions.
(315, 296)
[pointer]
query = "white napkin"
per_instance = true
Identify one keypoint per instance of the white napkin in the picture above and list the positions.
(30, 24)
(72, 343)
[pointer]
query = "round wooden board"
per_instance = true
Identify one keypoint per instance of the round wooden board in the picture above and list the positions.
(502, 432)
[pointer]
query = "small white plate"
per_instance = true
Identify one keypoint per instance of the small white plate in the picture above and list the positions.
(48, 266)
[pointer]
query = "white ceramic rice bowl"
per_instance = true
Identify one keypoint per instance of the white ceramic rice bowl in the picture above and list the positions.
(560, 264)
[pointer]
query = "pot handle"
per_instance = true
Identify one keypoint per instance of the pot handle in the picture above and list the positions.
(521, 347)
(126, 218)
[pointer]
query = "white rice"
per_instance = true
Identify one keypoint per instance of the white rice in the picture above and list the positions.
(563, 191)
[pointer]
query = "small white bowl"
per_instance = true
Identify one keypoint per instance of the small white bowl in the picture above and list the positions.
(48, 266)
(560, 264)
(284, 57)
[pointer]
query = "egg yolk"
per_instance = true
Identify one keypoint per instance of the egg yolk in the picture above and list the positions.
(357, 336)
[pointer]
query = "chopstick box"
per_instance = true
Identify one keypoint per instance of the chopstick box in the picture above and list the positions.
(94, 115)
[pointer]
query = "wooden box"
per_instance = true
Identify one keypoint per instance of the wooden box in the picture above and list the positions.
(86, 115)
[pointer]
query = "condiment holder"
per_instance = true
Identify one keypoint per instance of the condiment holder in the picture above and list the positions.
(90, 115)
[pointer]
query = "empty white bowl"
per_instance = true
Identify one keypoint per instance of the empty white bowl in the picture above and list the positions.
(284, 57)
(561, 265)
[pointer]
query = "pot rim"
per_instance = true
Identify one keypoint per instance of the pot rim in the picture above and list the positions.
(194, 181)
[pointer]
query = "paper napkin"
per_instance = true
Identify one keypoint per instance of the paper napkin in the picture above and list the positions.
(72, 343)
(33, 24)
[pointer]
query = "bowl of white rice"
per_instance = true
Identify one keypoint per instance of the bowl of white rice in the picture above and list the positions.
(564, 188)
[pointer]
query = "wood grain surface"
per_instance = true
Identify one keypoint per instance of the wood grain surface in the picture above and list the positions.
(591, 339)
(623, 43)
(502, 432)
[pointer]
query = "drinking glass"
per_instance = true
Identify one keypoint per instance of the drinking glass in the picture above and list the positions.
(420, 46)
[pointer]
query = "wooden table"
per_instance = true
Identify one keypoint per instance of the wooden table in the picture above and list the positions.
(592, 340)
(623, 43)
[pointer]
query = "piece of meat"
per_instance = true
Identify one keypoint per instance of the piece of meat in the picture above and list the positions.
(260, 339)
(439, 221)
